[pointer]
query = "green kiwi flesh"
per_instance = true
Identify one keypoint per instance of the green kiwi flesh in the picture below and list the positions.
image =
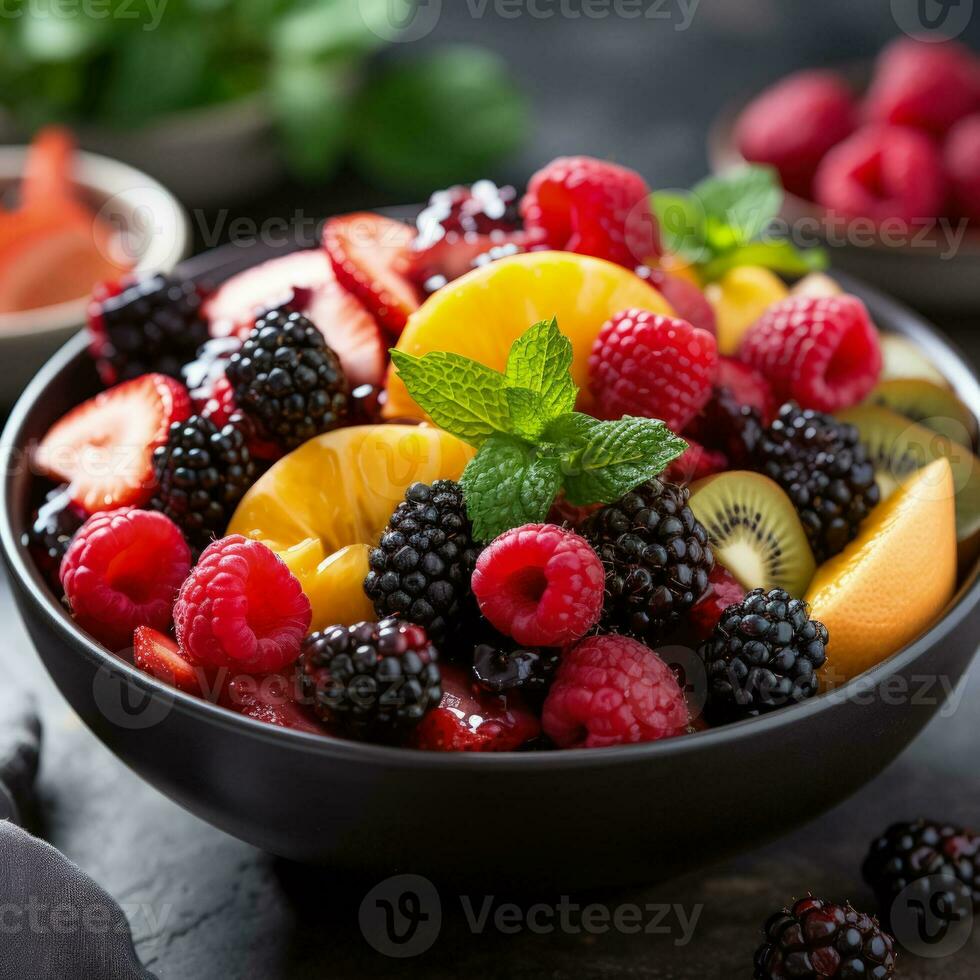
(928, 404)
(902, 359)
(898, 447)
(754, 530)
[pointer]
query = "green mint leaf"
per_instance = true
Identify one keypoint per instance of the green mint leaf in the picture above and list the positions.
(526, 417)
(782, 257)
(507, 484)
(738, 206)
(603, 460)
(539, 362)
(462, 396)
(681, 220)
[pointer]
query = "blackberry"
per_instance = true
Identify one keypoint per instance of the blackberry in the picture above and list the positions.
(499, 667)
(924, 851)
(54, 525)
(202, 472)
(763, 654)
(371, 680)
(423, 564)
(288, 381)
(150, 324)
(657, 559)
(728, 426)
(482, 208)
(816, 940)
(825, 470)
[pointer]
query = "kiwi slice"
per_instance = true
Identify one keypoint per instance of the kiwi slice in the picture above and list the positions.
(754, 531)
(902, 359)
(898, 446)
(928, 404)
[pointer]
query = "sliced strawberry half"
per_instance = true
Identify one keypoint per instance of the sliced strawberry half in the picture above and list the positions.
(157, 654)
(370, 255)
(268, 698)
(455, 254)
(103, 449)
(268, 286)
(350, 332)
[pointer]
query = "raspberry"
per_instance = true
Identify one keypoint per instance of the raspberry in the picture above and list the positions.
(540, 584)
(882, 173)
(961, 157)
(687, 301)
(122, 570)
(652, 365)
(610, 690)
(794, 123)
(241, 607)
(819, 351)
(723, 590)
(924, 84)
(695, 463)
(584, 205)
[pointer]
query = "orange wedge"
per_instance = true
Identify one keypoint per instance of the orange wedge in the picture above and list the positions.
(483, 313)
(890, 583)
(322, 507)
(739, 298)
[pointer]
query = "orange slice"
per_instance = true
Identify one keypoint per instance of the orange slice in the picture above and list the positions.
(893, 580)
(322, 507)
(740, 297)
(483, 313)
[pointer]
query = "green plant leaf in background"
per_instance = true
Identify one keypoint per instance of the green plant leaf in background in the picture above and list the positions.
(681, 220)
(743, 203)
(437, 119)
(782, 257)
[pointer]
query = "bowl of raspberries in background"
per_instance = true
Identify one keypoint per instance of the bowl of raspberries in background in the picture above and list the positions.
(503, 505)
(882, 162)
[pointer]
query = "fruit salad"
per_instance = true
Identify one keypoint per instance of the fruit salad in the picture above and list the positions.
(471, 484)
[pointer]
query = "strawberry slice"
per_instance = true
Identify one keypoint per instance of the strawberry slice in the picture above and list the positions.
(268, 698)
(350, 332)
(370, 255)
(157, 654)
(104, 448)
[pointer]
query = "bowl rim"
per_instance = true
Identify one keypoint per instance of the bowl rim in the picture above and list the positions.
(111, 179)
(723, 155)
(32, 584)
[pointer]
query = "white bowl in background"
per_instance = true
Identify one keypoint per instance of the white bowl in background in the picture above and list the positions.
(153, 232)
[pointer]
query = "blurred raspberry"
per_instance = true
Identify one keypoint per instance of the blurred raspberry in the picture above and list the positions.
(883, 172)
(695, 463)
(688, 302)
(962, 159)
(794, 123)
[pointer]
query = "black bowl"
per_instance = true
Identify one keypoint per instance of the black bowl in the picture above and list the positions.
(562, 819)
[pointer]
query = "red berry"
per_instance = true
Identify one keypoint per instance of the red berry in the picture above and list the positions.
(924, 84)
(370, 255)
(962, 159)
(746, 386)
(822, 351)
(794, 123)
(695, 463)
(589, 206)
(104, 448)
(723, 591)
(270, 698)
(881, 173)
(469, 720)
(688, 302)
(610, 690)
(158, 655)
(540, 584)
(122, 570)
(242, 607)
(221, 408)
(652, 365)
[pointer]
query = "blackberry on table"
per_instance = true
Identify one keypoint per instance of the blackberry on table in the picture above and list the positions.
(287, 381)
(763, 654)
(825, 470)
(422, 566)
(817, 940)
(915, 851)
(202, 473)
(371, 680)
(151, 324)
(656, 556)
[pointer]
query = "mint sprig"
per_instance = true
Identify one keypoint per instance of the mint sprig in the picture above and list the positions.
(718, 223)
(530, 442)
